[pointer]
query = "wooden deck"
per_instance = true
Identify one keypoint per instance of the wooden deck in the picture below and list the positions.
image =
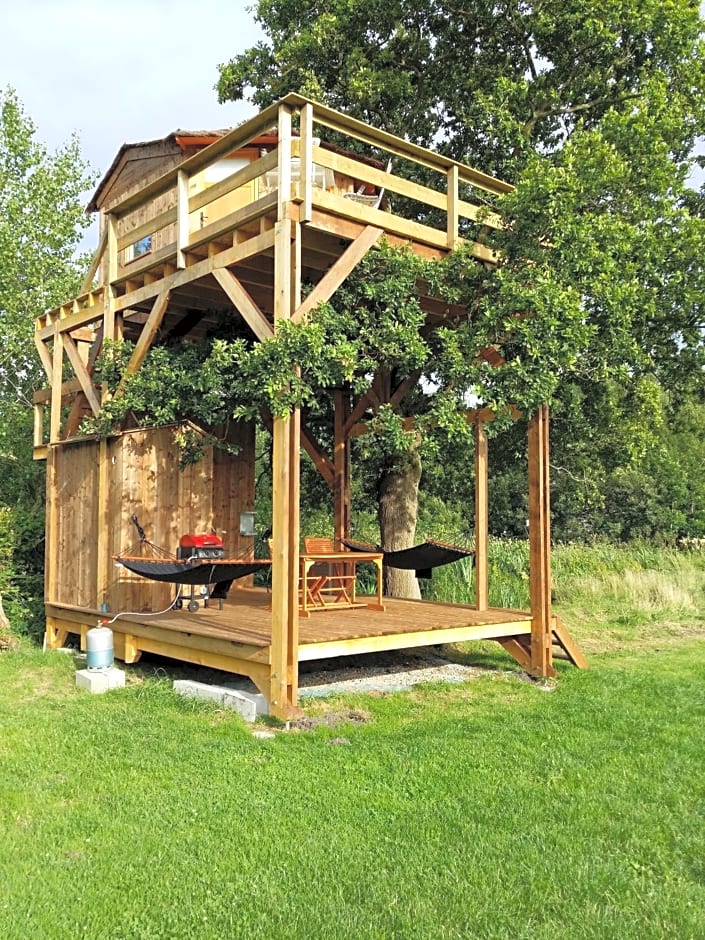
(238, 637)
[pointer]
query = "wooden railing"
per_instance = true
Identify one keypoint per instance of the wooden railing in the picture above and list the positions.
(163, 211)
(140, 215)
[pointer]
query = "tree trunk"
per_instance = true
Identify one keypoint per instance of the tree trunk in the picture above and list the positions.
(4, 622)
(397, 512)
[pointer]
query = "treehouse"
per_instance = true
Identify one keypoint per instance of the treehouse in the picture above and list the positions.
(202, 225)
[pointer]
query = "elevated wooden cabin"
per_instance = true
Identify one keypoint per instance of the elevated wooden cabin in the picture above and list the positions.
(202, 224)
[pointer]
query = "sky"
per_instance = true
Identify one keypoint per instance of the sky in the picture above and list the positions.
(117, 71)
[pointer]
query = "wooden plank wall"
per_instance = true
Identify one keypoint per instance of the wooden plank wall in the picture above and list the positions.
(75, 540)
(145, 480)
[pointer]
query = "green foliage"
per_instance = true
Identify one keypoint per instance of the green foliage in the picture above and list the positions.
(593, 111)
(41, 221)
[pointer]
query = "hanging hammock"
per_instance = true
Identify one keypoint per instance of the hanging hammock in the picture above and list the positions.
(421, 558)
(219, 571)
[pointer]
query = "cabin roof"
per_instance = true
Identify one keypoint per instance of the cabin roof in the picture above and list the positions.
(180, 138)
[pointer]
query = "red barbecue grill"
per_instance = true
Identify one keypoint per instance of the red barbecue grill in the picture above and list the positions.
(200, 546)
(193, 546)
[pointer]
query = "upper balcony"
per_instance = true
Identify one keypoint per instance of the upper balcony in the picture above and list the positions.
(334, 175)
(236, 220)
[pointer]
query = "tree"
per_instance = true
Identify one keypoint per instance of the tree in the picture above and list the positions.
(591, 109)
(41, 220)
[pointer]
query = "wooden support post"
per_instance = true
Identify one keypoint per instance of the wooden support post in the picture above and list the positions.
(540, 545)
(341, 470)
(481, 517)
(285, 500)
(292, 657)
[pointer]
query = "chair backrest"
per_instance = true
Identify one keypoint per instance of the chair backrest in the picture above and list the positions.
(318, 546)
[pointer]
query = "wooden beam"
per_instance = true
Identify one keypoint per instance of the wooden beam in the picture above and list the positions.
(51, 549)
(149, 331)
(38, 424)
(81, 373)
(540, 545)
(368, 400)
(96, 260)
(389, 641)
(328, 117)
(481, 517)
(229, 256)
(57, 368)
(45, 357)
(321, 461)
(244, 304)
(568, 644)
(109, 291)
(403, 389)
(333, 278)
(343, 226)
(517, 651)
(408, 230)
(76, 413)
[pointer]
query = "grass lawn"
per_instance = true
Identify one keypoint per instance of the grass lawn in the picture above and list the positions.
(495, 808)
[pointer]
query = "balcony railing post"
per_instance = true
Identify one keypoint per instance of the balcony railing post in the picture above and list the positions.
(452, 198)
(307, 162)
(284, 168)
(181, 218)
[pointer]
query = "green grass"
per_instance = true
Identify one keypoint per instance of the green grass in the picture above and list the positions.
(498, 808)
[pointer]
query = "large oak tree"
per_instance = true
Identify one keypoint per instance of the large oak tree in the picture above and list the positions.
(592, 109)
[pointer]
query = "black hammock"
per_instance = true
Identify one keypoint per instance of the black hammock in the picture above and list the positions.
(419, 558)
(220, 571)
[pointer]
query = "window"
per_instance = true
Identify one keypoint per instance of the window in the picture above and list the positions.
(137, 249)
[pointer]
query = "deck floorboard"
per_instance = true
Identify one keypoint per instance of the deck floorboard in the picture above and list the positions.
(246, 618)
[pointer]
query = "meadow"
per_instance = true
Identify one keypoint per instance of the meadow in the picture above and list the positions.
(496, 808)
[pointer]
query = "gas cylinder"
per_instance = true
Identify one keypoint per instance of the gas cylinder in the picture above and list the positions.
(99, 648)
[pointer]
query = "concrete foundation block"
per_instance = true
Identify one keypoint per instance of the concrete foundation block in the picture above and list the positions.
(209, 693)
(100, 680)
(248, 704)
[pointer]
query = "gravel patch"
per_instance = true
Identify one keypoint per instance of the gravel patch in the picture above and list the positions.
(376, 672)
